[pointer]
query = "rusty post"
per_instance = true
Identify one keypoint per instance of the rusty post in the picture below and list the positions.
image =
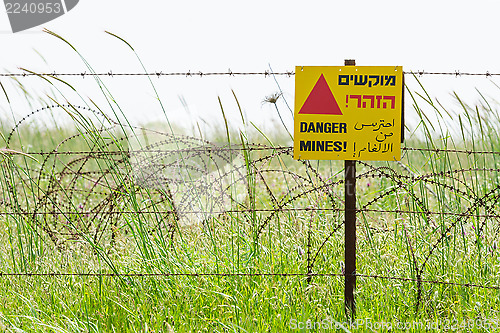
(350, 232)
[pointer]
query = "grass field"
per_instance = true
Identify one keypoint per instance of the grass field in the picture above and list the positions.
(153, 231)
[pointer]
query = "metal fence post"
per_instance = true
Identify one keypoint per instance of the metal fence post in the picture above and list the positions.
(350, 231)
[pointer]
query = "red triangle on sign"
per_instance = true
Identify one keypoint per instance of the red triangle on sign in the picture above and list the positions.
(320, 100)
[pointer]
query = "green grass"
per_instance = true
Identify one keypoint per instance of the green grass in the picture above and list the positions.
(129, 204)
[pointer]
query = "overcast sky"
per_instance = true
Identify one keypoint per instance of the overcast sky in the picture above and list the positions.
(172, 36)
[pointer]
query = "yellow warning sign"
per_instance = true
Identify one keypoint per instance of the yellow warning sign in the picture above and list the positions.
(348, 113)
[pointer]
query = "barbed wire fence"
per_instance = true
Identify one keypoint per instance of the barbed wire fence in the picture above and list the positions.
(74, 182)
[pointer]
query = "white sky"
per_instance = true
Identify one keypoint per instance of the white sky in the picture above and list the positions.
(177, 36)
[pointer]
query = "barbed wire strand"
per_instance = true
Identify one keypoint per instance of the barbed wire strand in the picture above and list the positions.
(257, 147)
(190, 73)
(257, 210)
(128, 275)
